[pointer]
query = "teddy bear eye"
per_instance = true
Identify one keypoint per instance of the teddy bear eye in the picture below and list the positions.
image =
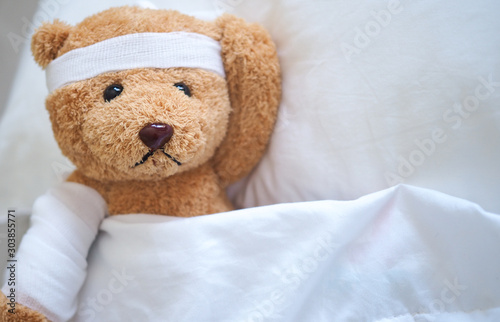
(112, 91)
(183, 87)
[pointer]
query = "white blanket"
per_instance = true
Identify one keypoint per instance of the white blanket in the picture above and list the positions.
(402, 254)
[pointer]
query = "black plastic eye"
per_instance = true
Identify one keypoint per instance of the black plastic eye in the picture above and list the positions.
(112, 91)
(183, 87)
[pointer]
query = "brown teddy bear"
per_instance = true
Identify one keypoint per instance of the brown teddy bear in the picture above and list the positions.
(184, 109)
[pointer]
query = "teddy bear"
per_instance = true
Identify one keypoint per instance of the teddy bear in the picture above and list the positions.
(159, 112)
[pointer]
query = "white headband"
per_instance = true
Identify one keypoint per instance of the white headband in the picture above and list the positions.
(141, 50)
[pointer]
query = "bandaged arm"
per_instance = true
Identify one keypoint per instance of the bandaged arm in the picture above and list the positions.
(52, 257)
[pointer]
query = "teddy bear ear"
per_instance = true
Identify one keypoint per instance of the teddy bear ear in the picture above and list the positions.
(254, 83)
(48, 40)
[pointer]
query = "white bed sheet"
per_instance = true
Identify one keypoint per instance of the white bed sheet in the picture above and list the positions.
(348, 123)
(402, 254)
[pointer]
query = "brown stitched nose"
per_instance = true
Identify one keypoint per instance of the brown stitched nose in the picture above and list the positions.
(156, 135)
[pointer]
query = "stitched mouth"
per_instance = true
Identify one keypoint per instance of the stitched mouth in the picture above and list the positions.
(151, 152)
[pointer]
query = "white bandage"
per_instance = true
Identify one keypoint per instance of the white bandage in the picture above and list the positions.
(140, 50)
(52, 257)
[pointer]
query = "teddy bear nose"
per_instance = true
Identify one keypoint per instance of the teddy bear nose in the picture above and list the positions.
(156, 135)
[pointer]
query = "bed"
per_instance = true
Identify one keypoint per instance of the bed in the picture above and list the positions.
(378, 198)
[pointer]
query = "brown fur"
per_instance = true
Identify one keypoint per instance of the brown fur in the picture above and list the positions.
(48, 40)
(220, 132)
(22, 313)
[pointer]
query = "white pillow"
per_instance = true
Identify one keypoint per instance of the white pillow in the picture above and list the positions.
(369, 96)
(366, 86)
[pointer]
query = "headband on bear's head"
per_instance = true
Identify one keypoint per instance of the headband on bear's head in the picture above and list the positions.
(140, 50)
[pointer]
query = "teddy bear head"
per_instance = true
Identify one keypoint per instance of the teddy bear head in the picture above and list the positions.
(142, 94)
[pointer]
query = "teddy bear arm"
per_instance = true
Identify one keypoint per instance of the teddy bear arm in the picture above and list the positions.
(254, 83)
